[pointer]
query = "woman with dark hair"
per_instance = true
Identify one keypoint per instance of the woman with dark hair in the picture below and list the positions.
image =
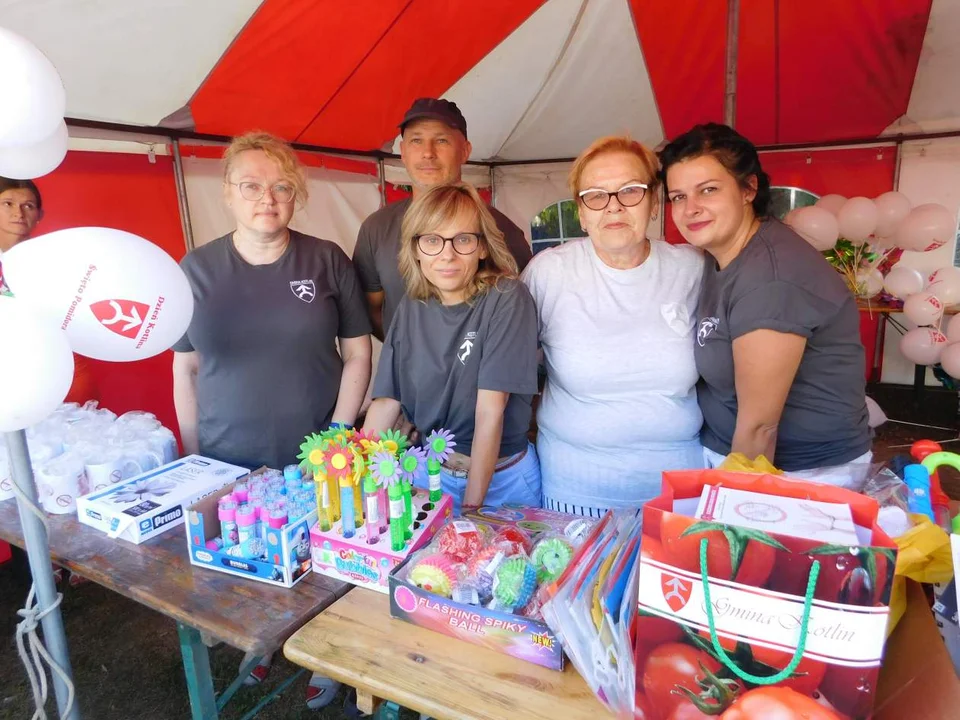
(778, 341)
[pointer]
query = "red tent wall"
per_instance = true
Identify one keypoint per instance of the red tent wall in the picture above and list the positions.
(126, 192)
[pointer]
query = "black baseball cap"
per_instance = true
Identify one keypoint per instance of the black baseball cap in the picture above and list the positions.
(433, 109)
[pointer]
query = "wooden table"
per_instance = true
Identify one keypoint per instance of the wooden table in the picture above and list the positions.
(248, 615)
(357, 642)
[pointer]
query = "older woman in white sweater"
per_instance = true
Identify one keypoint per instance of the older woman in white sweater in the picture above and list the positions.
(616, 314)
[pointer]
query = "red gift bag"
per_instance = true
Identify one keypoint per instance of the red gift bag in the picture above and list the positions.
(778, 626)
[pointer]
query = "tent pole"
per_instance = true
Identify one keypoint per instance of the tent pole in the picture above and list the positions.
(733, 47)
(493, 188)
(182, 196)
(896, 167)
(38, 554)
(381, 173)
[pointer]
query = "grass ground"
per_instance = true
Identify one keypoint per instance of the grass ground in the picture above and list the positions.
(126, 658)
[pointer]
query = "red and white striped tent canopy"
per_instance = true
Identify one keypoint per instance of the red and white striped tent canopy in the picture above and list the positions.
(536, 79)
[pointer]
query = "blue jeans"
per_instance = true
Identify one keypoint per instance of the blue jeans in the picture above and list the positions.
(518, 484)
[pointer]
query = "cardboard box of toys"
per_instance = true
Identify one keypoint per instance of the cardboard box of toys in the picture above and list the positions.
(283, 552)
(154, 502)
(478, 583)
(366, 558)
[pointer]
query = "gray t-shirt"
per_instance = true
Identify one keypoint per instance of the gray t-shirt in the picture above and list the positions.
(378, 243)
(436, 357)
(266, 334)
(780, 282)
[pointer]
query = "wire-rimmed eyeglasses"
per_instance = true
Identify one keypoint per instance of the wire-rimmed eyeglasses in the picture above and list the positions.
(253, 191)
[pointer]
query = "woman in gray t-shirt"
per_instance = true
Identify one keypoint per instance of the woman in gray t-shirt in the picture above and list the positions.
(461, 352)
(778, 342)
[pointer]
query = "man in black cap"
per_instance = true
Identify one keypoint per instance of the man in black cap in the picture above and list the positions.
(433, 148)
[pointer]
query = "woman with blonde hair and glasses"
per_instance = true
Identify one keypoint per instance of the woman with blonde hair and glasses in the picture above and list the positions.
(616, 313)
(461, 352)
(258, 367)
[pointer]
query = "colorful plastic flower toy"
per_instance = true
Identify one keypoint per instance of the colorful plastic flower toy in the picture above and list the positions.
(339, 434)
(394, 441)
(439, 445)
(312, 451)
(384, 469)
(434, 573)
(514, 583)
(411, 460)
(367, 440)
(551, 557)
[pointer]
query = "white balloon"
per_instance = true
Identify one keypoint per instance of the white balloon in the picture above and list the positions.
(36, 365)
(33, 97)
(926, 228)
(119, 297)
(903, 281)
(892, 208)
(923, 346)
(831, 203)
(857, 219)
(953, 329)
(875, 414)
(869, 282)
(923, 308)
(950, 359)
(816, 225)
(24, 162)
(945, 284)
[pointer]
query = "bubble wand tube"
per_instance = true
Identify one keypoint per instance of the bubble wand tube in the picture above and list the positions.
(395, 492)
(383, 508)
(313, 452)
(406, 489)
(371, 496)
(359, 472)
(385, 471)
(324, 511)
(439, 446)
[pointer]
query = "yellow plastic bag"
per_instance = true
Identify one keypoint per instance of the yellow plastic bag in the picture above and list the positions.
(924, 555)
(738, 462)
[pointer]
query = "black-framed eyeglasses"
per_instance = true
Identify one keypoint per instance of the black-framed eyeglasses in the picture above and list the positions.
(628, 196)
(463, 243)
(253, 191)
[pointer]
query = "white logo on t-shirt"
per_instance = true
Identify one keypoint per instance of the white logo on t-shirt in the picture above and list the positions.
(465, 347)
(707, 326)
(304, 290)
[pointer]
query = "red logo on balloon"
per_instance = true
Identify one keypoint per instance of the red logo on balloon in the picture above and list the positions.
(124, 317)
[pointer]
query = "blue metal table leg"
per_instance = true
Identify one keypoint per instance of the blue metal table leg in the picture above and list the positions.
(273, 695)
(387, 711)
(245, 670)
(196, 667)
